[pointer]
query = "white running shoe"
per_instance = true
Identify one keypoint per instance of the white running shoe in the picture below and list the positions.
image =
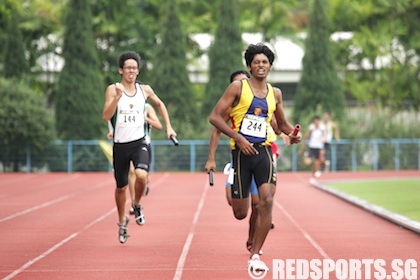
(122, 232)
(138, 213)
(256, 265)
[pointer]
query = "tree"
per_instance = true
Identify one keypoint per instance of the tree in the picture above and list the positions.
(225, 55)
(15, 63)
(80, 91)
(319, 86)
(383, 51)
(26, 121)
(170, 75)
(120, 28)
(271, 18)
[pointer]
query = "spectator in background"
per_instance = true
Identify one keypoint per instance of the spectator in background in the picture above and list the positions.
(332, 132)
(316, 136)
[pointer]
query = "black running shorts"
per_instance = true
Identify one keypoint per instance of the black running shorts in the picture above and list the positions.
(136, 151)
(260, 165)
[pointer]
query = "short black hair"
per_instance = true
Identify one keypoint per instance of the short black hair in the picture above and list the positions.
(253, 50)
(129, 55)
(239, 72)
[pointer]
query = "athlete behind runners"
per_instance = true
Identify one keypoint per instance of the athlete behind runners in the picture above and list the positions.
(215, 136)
(253, 103)
(151, 121)
(125, 107)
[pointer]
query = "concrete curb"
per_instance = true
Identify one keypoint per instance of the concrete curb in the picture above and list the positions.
(375, 209)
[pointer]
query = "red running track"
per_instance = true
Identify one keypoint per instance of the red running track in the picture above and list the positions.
(63, 226)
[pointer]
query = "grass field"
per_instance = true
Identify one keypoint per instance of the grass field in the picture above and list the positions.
(399, 196)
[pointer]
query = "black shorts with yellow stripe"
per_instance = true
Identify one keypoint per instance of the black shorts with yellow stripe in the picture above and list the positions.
(259, 166)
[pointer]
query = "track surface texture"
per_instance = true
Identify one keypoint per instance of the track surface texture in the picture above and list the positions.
(64, 226)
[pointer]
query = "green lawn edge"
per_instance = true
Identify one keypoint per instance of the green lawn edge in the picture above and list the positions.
(401, 196)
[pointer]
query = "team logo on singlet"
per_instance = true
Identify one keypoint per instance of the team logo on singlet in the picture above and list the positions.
(257, 111)
(131, 106)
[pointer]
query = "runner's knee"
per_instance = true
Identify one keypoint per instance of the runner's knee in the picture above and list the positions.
(266, 203)
(240, 214)
(240, 211)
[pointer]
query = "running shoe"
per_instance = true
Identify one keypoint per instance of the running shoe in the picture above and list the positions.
(132, 210)
(140, 219)
(123, 230)
(256, 265)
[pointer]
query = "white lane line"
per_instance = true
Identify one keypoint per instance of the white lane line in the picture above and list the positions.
(40, 187)
(305, 234)
(56, 246)
(154, 184)
(183, 257)
(51, 202)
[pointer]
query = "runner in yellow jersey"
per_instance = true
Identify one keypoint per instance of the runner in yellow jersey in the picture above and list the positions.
(254, 102)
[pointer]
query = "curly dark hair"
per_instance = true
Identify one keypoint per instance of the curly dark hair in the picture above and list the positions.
(129, 55)
(253, 50)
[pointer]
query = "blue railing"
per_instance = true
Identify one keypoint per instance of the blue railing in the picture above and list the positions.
(191, 155)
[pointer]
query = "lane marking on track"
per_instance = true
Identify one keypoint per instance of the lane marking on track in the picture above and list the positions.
(305, 234)
(159, 181)
(45, 204)
(56, 246)
(44, 185)
(183, 257)
(51, 202)
(7, 181)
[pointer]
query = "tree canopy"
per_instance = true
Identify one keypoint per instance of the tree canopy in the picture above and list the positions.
(376, 63)
(26, 121)
(170, 76)
(319, 87)
(225, 55)
(80, 92)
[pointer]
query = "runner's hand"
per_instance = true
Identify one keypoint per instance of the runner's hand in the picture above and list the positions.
(246, 147)
(210, 165)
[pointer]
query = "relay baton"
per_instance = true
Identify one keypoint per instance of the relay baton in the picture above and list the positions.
(211, 177)
(295, 131)
(173, 138)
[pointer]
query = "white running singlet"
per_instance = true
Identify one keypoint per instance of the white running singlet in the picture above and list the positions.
(130, 117)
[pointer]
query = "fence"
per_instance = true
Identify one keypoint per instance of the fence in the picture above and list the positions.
(191, 155)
